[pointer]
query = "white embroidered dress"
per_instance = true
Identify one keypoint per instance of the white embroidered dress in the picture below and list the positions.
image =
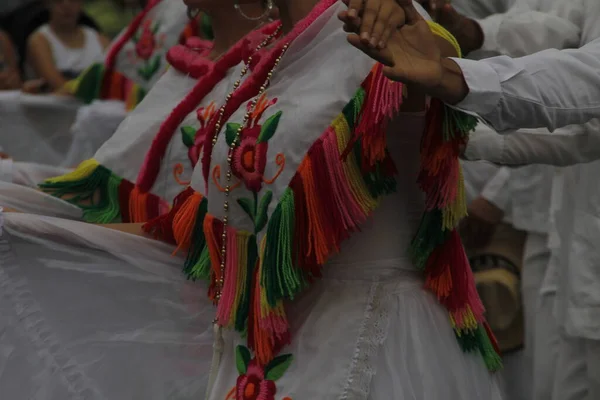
(367, 329)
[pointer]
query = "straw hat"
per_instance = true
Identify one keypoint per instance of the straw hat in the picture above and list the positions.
(497, 271)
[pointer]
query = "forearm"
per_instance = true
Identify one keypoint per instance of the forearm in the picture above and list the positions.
(572, 145)
(452, 88)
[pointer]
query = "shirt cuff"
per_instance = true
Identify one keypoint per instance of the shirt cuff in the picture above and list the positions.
(486, 145)
(6, 170)
(490, 27)
(485, 90)
(496, 190)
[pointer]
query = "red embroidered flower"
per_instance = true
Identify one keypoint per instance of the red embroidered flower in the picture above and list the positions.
(194, 139)
(252, 385)
(254, 381)
(250, 159)
(250, 155)
(146, 43)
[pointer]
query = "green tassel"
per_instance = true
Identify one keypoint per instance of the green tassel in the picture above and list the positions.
(241, 318)
(200, 270)
(90, 84)
(197, 261)
(378, 183)
(108, 209)
(457, 122)
(468, 340)
(492, 360)
(353, 108)
(280, 276)
(429, 236)
(102, 180)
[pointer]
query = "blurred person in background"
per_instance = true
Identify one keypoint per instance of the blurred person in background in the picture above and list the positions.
(62, 49)
(10, 78)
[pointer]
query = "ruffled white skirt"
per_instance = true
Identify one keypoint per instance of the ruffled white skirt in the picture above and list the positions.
(90, 313)
(369, 332)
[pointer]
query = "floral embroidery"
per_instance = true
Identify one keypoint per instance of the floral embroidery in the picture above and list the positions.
(146, 44)
(194, 138)
(250, 155)
(250, 160)
(256, 382)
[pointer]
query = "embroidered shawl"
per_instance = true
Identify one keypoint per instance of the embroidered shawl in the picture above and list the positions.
(310, 167)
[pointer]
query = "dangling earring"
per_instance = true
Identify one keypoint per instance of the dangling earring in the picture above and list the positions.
(268, 10)
(192, 13)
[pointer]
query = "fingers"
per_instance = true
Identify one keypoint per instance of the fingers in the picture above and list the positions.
(396, 20)
(369, 17)
(387, 14)
(411, 15)
(384, 56)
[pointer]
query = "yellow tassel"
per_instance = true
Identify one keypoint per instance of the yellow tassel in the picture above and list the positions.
(440, 31)
(457, 210)
(84, 170)
(359, 189)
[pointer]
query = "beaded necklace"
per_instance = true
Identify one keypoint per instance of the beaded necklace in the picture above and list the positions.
(221, 278)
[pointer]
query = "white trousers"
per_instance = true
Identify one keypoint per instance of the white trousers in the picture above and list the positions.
(545, 347)
(535, 263)
(577, 374)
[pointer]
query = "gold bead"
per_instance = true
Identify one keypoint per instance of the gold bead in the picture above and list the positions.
(221, 281)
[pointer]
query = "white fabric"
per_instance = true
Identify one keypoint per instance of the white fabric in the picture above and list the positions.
(476, 175)
(548, 89)
(577, 374)
(6, 170)
(32, 174)
(30, 200)
(74, 60)
(482, 8)
(527, 28)
(36, 128)
(91, 313)
(535, 263)
(545, 352)
(93, 126)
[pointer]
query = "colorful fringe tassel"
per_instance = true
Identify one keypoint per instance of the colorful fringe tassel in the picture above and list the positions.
(336, 187)
(103, 196)
(437, 248)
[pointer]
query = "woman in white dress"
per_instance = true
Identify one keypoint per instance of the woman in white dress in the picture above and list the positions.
(93, 313)
(62, 49)
(150, 157)
(306, 157)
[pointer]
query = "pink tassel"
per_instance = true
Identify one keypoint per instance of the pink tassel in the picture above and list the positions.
(351, 212)
(226, 303)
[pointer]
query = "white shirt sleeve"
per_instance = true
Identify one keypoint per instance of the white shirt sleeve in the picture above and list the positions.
(496, 189)
(522, 31)
(567, 146)
(549, 89)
